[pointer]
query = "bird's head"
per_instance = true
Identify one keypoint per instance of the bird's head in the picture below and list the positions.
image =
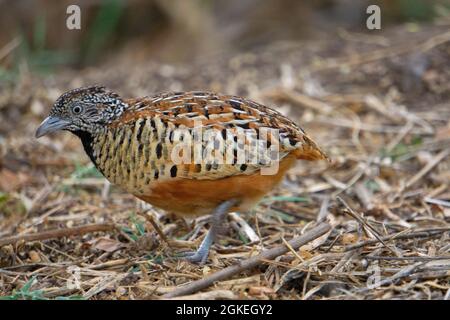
(83, 110)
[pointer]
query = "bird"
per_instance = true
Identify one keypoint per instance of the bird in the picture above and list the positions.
(190, 153)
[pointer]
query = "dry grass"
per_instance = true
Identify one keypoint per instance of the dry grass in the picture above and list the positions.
(380, 107)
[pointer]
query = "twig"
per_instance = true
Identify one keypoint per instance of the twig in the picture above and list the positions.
(417, 234)
(344, 260)
(353, 214)
(156, 227)
(244, 227)
(249, 263)
(430, 165)
(57, 233)
(374, 55)
(107, 264)
(399, 137)
(103, 284)
(430, 275)
(300, 99)
(323, 212)
(210, 295)
(372, 127)
(362, 169)
(286, 243)
(407, 258)
(405, 272)
(364, 195)
(438, 202)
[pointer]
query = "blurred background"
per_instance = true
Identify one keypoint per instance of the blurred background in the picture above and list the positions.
(33, 35)
(377, 101)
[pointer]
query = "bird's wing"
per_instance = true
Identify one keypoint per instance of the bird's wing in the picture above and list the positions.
(203, 135)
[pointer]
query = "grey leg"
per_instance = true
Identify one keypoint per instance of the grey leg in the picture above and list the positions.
(217, 218)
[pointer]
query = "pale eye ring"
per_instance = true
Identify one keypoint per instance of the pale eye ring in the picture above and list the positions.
(77, 109)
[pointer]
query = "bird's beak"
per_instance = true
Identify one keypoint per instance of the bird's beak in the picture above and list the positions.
(51, 124)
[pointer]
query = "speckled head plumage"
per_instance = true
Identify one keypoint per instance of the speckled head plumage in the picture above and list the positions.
(86, 109)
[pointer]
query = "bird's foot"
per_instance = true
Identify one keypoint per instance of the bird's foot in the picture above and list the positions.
(197, 257)
(201, 255)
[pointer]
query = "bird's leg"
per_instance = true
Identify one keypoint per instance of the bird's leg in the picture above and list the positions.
(217, 219)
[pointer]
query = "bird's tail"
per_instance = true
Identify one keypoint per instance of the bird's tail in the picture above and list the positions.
(310, 151)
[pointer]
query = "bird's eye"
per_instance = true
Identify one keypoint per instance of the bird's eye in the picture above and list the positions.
(77, 109)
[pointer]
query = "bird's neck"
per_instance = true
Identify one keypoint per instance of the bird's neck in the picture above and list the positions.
(87, 140)
(114, 111)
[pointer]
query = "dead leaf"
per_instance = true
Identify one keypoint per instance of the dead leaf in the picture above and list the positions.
(34, 256)
(305, 254)
(106, 244)
(259, 291)
(349, 238)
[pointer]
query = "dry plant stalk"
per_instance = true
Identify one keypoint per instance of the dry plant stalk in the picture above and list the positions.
(250, 263)
(57, 233)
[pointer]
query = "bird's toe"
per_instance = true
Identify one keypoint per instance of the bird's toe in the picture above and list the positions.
(196, 257)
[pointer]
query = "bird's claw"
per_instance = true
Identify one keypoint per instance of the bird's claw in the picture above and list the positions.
(196, 257)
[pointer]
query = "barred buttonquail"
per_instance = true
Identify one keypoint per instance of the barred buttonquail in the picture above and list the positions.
(191, 153)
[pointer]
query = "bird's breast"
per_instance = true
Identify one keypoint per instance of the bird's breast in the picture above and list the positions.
(128, 155)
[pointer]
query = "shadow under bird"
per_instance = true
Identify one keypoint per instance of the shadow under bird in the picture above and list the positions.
(132, 142)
